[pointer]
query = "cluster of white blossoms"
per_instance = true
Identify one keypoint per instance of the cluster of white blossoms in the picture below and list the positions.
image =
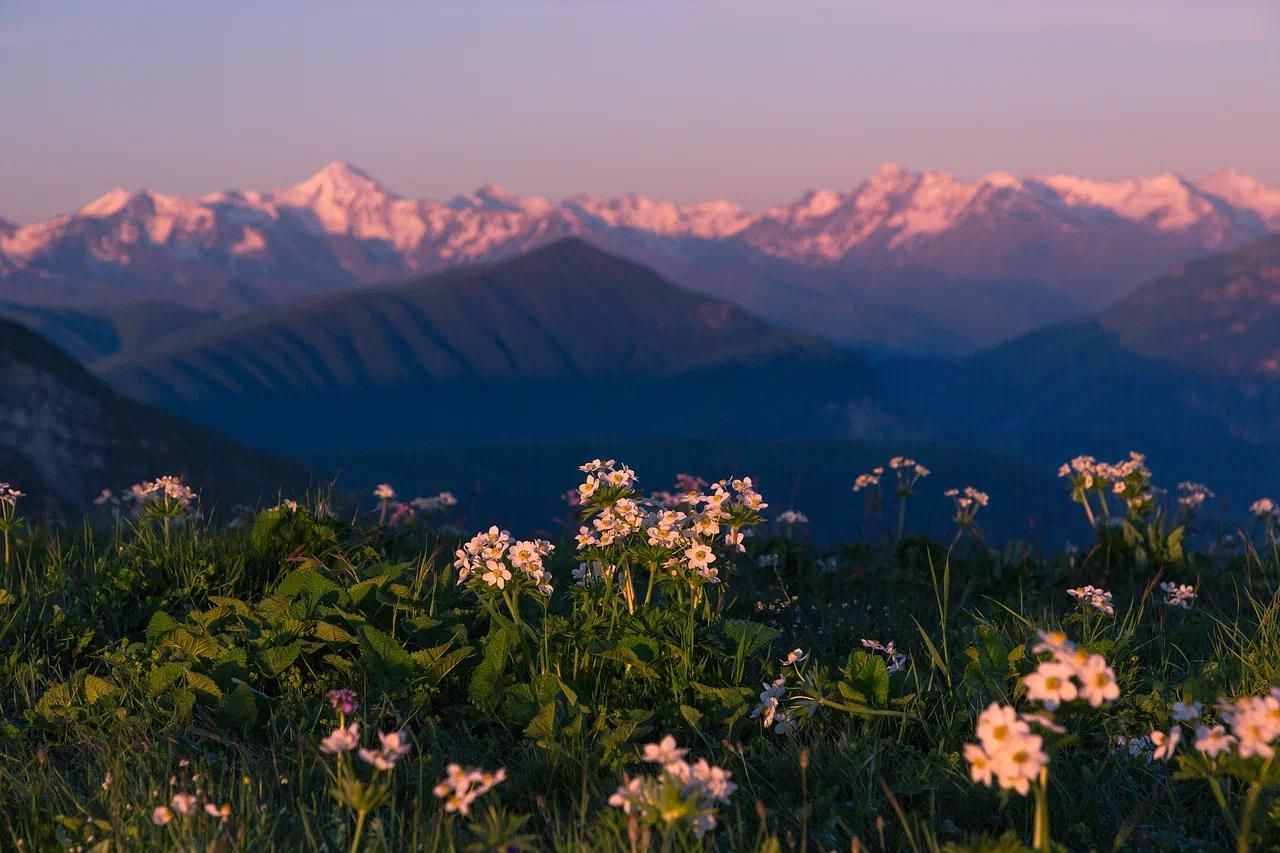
(9, 496)
(1092, 596)
(1265, 509)
(909, 472)
(461, 787)
(687, 526)
(167, 488)
(791, 517)
(384, 492)
(1009, 752)
(1254, 723)
(968, 501)
(496, 560)
(185, 805)
(1193, 495)
(1178, 594)
(1070, 673)
(392, 746)
(866, 481)
(1129, 480)
(767, 710)
(896, 659)
(681, 794)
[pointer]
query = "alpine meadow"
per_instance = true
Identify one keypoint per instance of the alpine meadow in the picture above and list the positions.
(849, 427)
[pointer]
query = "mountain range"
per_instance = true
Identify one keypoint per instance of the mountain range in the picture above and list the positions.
(904, 261)
(564, 342)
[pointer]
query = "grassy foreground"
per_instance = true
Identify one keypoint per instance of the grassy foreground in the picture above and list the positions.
(683, 672)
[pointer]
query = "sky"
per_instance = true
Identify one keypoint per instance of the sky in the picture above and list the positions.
(683, 99)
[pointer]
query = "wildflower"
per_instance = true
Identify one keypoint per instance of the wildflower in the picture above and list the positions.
(897, 660)
(866, 481)
(793, 657)
(1255, 722)
(394, 746)
(1187, 712)
(341, 740)
(223, 812)
(1213, 741)
(343, 700)
(767, 709)
(682, 793)
(1178, 595)
(791, 517)
(1165, 744)
(1053, 642)
(9, 495)
(1193, 495)
(496, 574)
(699, 557)
(384, 492)
(1263, 508)
(183, 804)
(664, 752)
(1019, 763)
(460, 788)
(998, 726)
(1092, 596)
(1051, 684)
(161, 815)
(980, 769)
(1097, 681)
(967, 504)
(734, 540)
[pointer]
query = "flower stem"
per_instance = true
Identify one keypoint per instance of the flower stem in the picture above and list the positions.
(1041, 839)
(355, 839)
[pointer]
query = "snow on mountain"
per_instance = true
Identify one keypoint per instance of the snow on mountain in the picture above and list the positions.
(1245, 192)
(341, 227)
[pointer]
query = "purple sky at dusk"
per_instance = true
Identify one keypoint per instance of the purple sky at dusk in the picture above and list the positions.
(751, 101)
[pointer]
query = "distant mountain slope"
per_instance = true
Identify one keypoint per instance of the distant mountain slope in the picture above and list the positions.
(1186, 368)
(564, 341)
(65, 436)
(93, 333)
(899, 252)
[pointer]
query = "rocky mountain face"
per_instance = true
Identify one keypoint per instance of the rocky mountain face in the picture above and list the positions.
(892, 263)
(65, 436)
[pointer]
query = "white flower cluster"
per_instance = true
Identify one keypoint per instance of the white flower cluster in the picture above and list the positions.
(496, 560)
(687, 526)
(791, 517)
(909, 472)
(897, 660)
(1265, 509)
(1008, 752)
(968, 501)
(1178, 594)
(461, 787)
(1129, 480)
(866, 481)
(1070, 673)
(168, 488)
(392, 746)
(188, 804)
(9, 495)
(1092, 596)
(1254, 722)
(384, 492)
(1193, 495)
(767, 710)
(683, 793)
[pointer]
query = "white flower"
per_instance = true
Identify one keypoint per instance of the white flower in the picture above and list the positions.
(793, 657)
(222, 812)
(1020, 763)
(1051, 684)
(1178, 595)
(394, 746)
(980, 769)
(384, 492)
(791, 517)
(699, 557)
(664, 752)
(1213, 741)
(496, 574)
(1092, 596)
(1263, 508)
(1097, 681)
(460, 788)
(1186, 713)
(341, 740)
(1165, 744)
(184, 804)
(161, 815)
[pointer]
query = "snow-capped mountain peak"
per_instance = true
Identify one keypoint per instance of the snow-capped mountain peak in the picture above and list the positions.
(1246, 192)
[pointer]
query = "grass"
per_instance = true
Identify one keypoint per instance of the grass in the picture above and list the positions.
(136, 664)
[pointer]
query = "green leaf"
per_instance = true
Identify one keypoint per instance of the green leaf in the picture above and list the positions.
(163, 676)
(203, 683)
(306, 582)
(750, 636)
(384, 658)
(96, 688)
(868, 675)
(279, 658)
(238, 709)
(485, 681)
(161, 623)
(330, 633)
(543, 727)
(692, 716)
